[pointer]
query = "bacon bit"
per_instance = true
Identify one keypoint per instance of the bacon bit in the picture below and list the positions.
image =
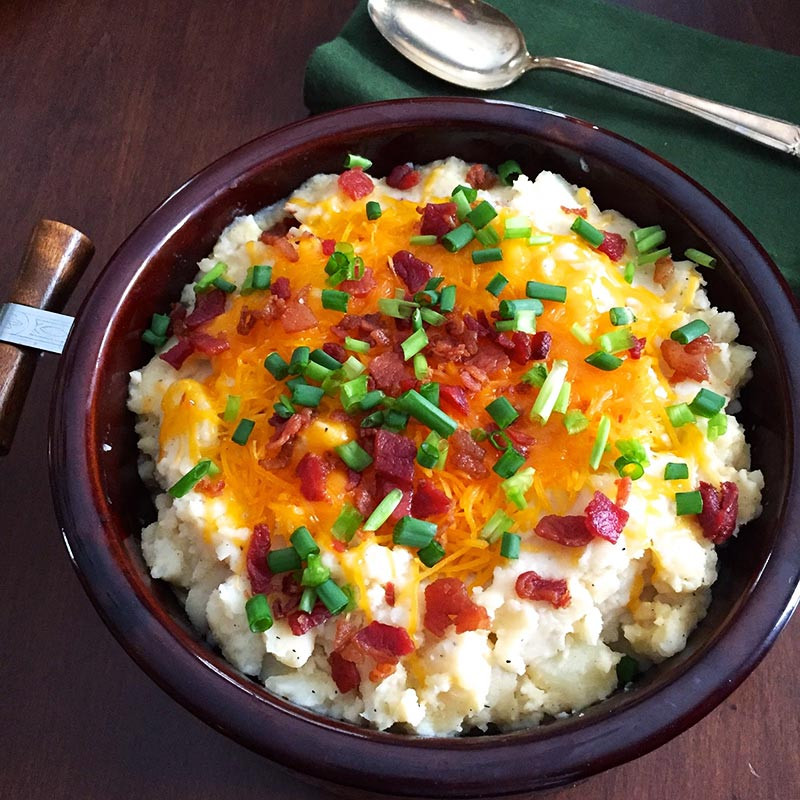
(479, 176)
(403, 508)
(413, 271)
(429, 501)
(522, 441)
(623, 490)
(384, 643)
(177, 354)
(636, 351)
(570, 531)
(338, 546)
(360, 288)
(394, 457)
(208, 345)
(287, 249)
(437, 219)
(278, 230)
(388, 594)
(467, 454)
(279, 461)
(720, 510)
(247, 320)
(529, 346)
(532, 586)
(300, 622)
(298, 316)
(613, 245)
(357, 326)
(490, 359)
(604, 519)
(287, 431)
(335, 350)
(281, 288)
(355, 183)
(580, 212)
(210, 488)
(454, 398)
(403, 176)
(447, 603)
(345, 630)
(208, 305)
(258, 572)
(688, 361)
(344, 673)
(177, 317)
(381, 671)
(313, 472)
(285, 594)
(542, 341)
(328, 247)
(664, 269)
(389, 371)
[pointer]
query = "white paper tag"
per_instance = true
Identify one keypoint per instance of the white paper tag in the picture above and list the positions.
(33, 327)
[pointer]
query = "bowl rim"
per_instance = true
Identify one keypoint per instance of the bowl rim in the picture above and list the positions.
(637, 726)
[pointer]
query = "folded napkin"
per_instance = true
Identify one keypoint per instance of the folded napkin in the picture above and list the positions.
(760, 185)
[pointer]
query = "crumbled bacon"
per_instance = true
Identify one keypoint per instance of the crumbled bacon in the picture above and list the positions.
(720, 510)
(355, 183)
(361, 287)
(613, 245)
(284, 595)
(636, 351)
(429, 501)
(413, 271)
(208, 305)
(580, 212)
(328, 247)
(384, 643)
(542, 341)
(447, 603)
(490, 359)
(208, 345)
(663, 271)
(300, 622)
(313, 472)
(454, 398)
(604, 518)
(389, 594)
(257, 549)
(570, 531)
(688, 360)
(479, 176)
(286, 431)
(281, 288)
(529, 346)
(403, 508)
(389, 370)
(210, 488)
(437, 219)
(394, 457)
(247, 320)
(532, 586)
(298, 316)
(335, 350)
(177, 354)
(286, 248)
(280, 460)
(449, 346)
(344, 673)
(177, 318)
(623, 490)
(467, 455)
(403, 176)
(357, 326)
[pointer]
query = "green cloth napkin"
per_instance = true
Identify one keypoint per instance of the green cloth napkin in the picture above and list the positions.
(760, 185)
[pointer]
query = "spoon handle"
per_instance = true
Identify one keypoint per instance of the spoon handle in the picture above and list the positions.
(770, 131)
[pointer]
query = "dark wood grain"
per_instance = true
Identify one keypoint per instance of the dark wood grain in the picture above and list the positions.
(106, 108)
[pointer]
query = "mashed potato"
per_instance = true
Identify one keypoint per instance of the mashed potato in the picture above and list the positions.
(238, 459)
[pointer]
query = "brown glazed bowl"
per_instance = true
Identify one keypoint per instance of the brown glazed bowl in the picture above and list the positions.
(102, 504)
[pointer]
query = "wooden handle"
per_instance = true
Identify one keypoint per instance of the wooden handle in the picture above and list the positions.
(53, 262)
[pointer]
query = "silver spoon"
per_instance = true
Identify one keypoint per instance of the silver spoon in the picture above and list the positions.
(472, 44)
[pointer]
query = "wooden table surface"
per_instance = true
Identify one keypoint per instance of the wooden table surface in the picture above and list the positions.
(106, 108)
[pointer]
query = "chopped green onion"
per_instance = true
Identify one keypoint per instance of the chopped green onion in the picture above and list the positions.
(463, 206)
(575, 421)
(148, 337)
(354, 455)
(457, 238)
(383, 510)
(587, 231)
(420, 367)
(259, 617)
(430, 391)
(481, 215)
(431, 554)
(627, 669)
(630, 271)
(262, 276)
(486, 256)
(374, 420)
(688, 503)
(580, 333)
(434, 283)
(510, 308)
(303, 542)
(707, 403)
(315, 572)
(508, 172)
(298, 381)
(495, 526)
(373, 209)
(563, 398)
(510, 544)
(352, 595)
(356, 345)
(159, 324)
(676, 471)
(447, 298)
(717, 426)
(232, 406)
(647, 243)
(427, 455)
(352, 368)
(517, 228)
(217, 271)
(347, 523)
(633, 450)
(316, 372)
(333, 598)
(428, 414)
(354, 160)
(516, 486)
(243, 431)
(643, 233)
(284, 560)
(432, 317)
(468, 192)
(335, 300)
(399, 309)
(225, 286)
(626, 468)
(308, 600)
(701, 258)
(320, 357)
(680, 414)
(199, 471)
(283, 408)
(308, 396)
(299, 360)
(371, 399)
(616, 341)
(546, 291)
(690, 331)
(502, 412)
(499, 440)
(599, 446)
(352, 392)
(548, 394)
(539, 239)
(535, 376)
(414, 343)
(603, 360)
(487, 236)
(652, 257)
(621, 315)
(508, 463)
(497, 284)
(395, 420)
(276, 366)
(413, 532)
(426, 239)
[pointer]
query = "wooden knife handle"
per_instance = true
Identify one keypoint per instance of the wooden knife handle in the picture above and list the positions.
(54, 260)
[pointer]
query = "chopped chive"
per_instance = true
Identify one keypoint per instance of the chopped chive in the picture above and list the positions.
(535, 376)
(643, 233)
(308, 396)
(259, 617)
(427, 455)
(508, 463)
(320, 357)
(414, 343)
(630, 271)
(356, 345)
(616, 341)
(413, 532)
(315, 571)
(539, 239)
(423, 239)
(374, 420)
(371, 399)
(354, 160)
(262, 276)
(690, 331)
(186, 483)
(457, 238)
(646, 243)
(347, 523)
(510, 544)
(510, 308)
(303, 542)
(481, 215)
(717, 426)
(297, 381)
(354, 455)
(430, 391)
(308, 600)
(548, 394)
(546, 291)
(508, 172)
(463, 206)
(283, 408)
(701, 258)
(676, 471)
(517, 228)
(159, 324)
(335, 300)
(428, 414)
(587, 231)
(627, 468)
(352, 368)
(633, 450)
(395, 420)
(243, 431)
(652, 257)
(600, 441)
(680, 414)
(621, 315)
(232, 406)
(299, 360)
(516, 486)
(416, 319)
(707, 403)
(149, 337)
(284, 560)
(468, 192)
(432, 317)
(580, 333)
(352, 392)
(500, 440)
(399, 309)
(316, 372)
(224, 285)
(487, 236)
(383, 510)
(434, 283)
(373, 209)
(487, 255)
(333, 598)
(447, 298)
(575, 421)
(604, 361)
(563, 398)
(420, 367)
(497, 284)
(502, 412)
(217, 271)
(431, 554)
(495, 526)
(688, 503)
